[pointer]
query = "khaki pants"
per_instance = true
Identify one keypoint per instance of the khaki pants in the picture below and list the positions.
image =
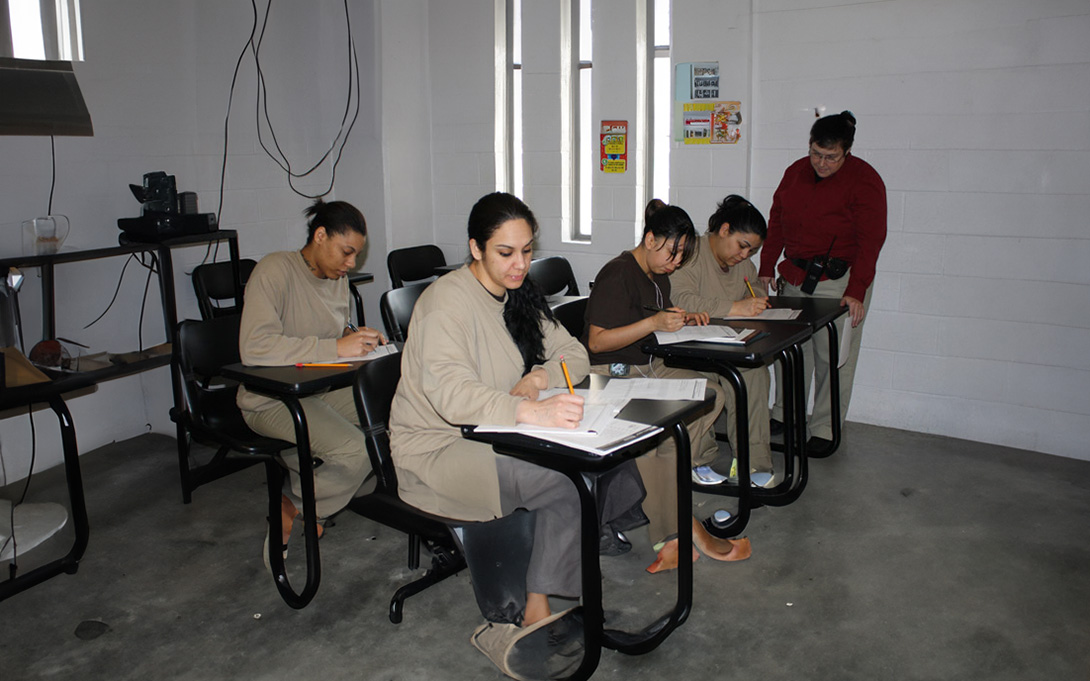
(815, 357)
(657, 467)
(757, 381)
(335, 437)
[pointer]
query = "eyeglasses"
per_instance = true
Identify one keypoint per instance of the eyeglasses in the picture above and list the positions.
(828, 158)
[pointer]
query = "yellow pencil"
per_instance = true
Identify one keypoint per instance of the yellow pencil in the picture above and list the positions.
(749, 287)
(322, 364)
(567, 376)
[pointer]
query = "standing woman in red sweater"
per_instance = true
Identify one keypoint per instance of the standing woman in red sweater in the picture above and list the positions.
(828, 218)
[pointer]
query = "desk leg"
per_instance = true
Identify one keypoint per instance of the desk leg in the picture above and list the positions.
(794, 440)
(310, 522)
(638, 643)
(834, 388)
(78, 508)
(743, 490)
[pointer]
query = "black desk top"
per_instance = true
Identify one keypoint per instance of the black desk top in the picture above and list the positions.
(663, 413)
(11, 397)
(781, 335)
(292, 380)
(816, 312)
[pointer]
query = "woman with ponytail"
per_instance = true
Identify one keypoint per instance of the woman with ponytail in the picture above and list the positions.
(722, 280)
(296, 310)
(630, 301)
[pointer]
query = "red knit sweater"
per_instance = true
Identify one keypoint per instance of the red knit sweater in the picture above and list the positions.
(807, 214)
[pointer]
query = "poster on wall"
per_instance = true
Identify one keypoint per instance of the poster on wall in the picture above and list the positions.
(699, 116)
(711, 122)
(614, 146)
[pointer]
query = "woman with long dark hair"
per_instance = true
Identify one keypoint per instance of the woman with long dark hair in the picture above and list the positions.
(482, 345)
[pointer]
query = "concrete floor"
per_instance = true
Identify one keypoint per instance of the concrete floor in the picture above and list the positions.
(909, 557)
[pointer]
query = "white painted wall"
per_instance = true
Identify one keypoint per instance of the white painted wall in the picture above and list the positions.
(976, 113)
(156, 81)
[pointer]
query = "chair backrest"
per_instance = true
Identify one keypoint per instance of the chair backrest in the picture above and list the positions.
(376, 383)
(214, 282)
(415, 263)
(204, 347)
(397, 306)
(554, 275)
(571, 315)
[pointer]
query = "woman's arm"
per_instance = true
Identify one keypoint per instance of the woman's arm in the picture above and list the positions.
(262, 338)
(607, 340)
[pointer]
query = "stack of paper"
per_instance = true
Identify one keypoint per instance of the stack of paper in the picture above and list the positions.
(705, 334)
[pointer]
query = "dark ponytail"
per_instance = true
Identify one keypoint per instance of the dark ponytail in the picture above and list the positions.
(740, 215)
(830, 131)
(526, 305)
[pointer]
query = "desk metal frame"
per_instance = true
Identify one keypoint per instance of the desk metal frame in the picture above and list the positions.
(574, 463)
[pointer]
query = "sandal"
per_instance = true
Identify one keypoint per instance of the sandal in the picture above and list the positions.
(550, 648)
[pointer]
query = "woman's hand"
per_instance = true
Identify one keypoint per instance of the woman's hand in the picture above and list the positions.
(531, 384)
(697, 318)
(855, 309)
(559, 411)
(670, 319)
(748, 307)
(359, 343)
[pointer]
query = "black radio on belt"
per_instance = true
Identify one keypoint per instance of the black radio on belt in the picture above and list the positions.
(818, 266)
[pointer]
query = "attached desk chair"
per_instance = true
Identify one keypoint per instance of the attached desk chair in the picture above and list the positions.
(781, 344)
(573, 463)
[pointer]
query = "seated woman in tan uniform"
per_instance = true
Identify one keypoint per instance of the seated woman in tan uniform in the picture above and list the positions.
(722, 281)
(620, 318)
(482, 344)
(296, 310)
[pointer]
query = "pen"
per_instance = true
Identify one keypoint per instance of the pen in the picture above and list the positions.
(750, 287)
(352, 327)
(322, 364)
(567, 376)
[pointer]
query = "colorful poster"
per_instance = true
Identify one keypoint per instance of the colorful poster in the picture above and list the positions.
(696, 122)
(614, 146)
(726, 119)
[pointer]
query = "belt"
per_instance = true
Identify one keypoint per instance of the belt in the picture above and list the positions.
(835, 268)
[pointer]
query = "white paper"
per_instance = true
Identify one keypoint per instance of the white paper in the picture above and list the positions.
(617, 435)
(380, 351)
(596, 418)
(624, 389)
(705, 334)
(771, 314)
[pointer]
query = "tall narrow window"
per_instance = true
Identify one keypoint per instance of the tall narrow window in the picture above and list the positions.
(516, 97)
(585, 132)
(663, 98)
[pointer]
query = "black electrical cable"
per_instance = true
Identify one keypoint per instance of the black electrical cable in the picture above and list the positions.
(144, 302)
(13, 569)
(119, 280)
(53, 181)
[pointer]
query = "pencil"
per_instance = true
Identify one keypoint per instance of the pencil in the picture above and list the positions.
(567, 376)
(750, 287)
(322, 364)
(652, 308)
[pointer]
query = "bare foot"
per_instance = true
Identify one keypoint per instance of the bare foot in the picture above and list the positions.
(720, 549)
(288, 513)
(537, 608)
(668, 557)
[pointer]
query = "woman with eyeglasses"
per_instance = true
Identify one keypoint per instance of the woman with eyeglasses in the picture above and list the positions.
(630, 301)
(828, 219)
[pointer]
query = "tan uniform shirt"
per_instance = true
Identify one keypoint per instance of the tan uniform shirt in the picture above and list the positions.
(457, 368)
(289, 316)
(703, 286)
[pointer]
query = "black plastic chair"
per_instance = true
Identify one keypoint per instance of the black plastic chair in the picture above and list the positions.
(397, 306)
(412, 264)
(571, 315)
(211, 417)
(374, 389)
(554, 275)
(214, 285)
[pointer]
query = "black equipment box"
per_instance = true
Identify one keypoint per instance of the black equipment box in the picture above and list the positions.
(153, 227)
